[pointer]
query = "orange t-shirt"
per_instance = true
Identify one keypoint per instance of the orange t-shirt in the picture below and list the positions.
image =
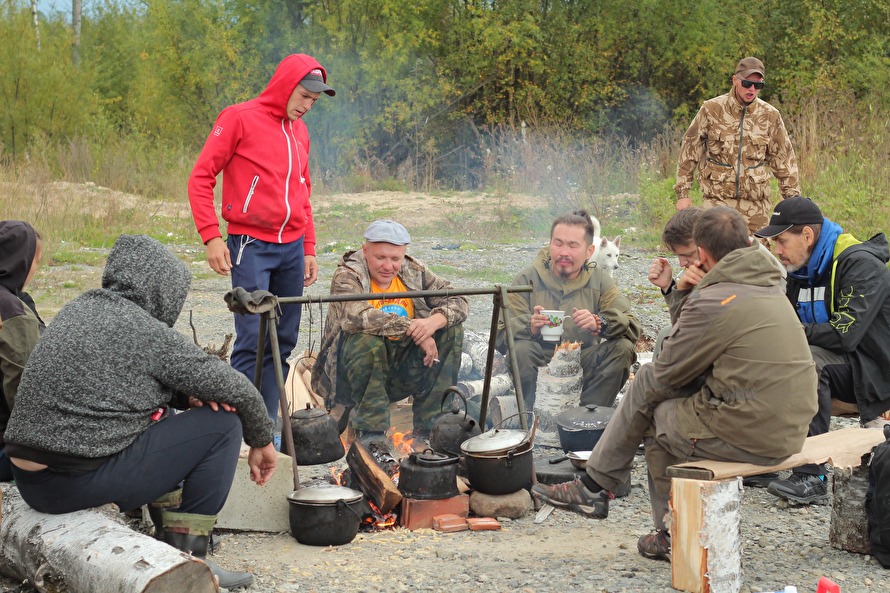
(403, 307)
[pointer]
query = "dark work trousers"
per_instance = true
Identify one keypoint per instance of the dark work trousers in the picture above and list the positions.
(5, 467)
(199, 447)
(605, 368)
(835, 381)
(278, 268)
(374, 371)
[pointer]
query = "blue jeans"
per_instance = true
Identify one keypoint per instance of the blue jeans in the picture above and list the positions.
(278, 268)
(199, 447)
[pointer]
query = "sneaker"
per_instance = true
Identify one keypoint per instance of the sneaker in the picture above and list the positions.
(878, 423)
(760, 480)
(575, 497)
(801, 488)
(655, 545)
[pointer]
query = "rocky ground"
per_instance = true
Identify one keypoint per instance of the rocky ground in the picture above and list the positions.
(781, 545)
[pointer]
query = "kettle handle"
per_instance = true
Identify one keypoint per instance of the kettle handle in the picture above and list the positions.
(457, 391)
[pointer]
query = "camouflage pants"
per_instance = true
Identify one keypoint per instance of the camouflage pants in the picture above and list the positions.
(605, 368)
(755, 212)
(374, 371)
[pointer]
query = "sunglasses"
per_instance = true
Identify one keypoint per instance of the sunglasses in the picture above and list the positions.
(749, 83)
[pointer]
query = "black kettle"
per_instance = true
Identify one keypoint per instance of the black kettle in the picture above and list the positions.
(316, 437)
(451, 428)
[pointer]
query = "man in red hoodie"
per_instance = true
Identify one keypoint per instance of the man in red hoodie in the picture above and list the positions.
(261, 147)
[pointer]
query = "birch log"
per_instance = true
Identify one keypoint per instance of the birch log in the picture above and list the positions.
(90, 552)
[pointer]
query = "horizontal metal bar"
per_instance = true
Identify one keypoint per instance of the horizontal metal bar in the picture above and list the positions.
(339, 298)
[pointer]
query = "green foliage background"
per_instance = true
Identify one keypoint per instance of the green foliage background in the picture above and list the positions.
(570, 98)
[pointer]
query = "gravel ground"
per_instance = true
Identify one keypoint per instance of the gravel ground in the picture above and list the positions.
(781, 545)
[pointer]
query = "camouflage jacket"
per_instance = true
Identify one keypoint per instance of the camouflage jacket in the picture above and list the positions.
(351, 277)
(734, 148)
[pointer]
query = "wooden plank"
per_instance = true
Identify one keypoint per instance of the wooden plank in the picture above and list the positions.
(842, 448)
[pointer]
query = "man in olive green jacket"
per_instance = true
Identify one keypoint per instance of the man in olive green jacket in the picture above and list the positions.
(734, 381)
(735, 142)
(597, 314)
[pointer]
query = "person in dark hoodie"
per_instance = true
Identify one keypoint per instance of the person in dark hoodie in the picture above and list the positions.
(93, 420)
(20, 326)
(840, 287)
(261, 147)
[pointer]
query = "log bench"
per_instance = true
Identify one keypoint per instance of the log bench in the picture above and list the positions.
(90, 551)
(706, 507)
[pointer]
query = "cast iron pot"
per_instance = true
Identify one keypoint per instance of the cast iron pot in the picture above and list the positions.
(451, 429)
(580, 428)
(503, 473)
(316, 437)
(325, 515)
(428, 475)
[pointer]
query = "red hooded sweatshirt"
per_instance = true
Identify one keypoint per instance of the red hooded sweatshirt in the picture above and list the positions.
(264, 158)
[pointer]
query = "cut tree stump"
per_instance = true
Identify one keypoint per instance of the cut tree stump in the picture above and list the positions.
(90, 552)
(849, 520)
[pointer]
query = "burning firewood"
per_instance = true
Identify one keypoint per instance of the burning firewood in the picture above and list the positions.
(372, 479)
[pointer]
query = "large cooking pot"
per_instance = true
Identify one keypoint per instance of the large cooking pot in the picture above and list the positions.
(428, 475)
(451, 428)
(316, 437)
(499, 461)
(580, 428)
(325, 515)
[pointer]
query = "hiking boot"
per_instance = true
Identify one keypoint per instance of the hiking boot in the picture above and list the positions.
(575, 497)
(760, 480)
(190, 533)
(801, 488)
(655, 545)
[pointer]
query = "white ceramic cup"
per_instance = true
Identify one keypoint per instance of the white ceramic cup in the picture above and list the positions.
(553, 331)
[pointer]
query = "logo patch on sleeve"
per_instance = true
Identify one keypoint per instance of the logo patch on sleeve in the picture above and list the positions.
(217, 131)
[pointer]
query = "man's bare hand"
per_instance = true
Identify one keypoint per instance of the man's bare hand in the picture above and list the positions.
(218, 256)
(584, 319)
(691, 277)
(660, 273)
(421, 330)
(310, 272)
(537, 321)
(430, 351)
(262, 463)
(194, 402)
(683, 203)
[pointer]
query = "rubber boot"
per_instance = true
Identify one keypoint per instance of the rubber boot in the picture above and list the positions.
(156, 508)
(190, 533)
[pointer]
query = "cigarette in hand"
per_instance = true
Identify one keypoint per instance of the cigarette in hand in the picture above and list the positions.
(436, 360)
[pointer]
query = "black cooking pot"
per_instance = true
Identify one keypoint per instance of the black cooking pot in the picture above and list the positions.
(580, 428)
(316, 437)
(428, 475)
(503, 473)
(325, 515)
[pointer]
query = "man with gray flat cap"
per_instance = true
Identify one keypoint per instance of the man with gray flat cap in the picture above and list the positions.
(840, 287)
(735, 142)
(378, 351)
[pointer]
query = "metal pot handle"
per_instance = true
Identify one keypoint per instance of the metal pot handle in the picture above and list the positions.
(454, 389)
(341, 502)
(531, 417)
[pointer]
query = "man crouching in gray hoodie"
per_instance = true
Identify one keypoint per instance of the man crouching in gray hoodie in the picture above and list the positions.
(92, 423)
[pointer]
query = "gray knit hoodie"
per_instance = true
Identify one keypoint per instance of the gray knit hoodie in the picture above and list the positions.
(110, 359)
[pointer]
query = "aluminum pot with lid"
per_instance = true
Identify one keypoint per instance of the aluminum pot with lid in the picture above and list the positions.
(497, 441)
(325, 515)
(581, 427)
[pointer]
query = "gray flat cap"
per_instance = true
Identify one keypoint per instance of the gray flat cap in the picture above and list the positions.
(387, 231)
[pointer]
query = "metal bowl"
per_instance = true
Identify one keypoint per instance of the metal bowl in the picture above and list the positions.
(578, 458)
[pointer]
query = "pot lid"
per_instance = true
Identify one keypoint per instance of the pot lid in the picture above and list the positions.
(589, 417)
(324, 493)
(429, 458)
(495, 440)
(309, 413)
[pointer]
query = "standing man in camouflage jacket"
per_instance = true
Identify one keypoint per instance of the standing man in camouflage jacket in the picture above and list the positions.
(735, 141)
(375, 352)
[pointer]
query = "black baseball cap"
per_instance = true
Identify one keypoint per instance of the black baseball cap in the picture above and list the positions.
(788, 213)
(314, 83)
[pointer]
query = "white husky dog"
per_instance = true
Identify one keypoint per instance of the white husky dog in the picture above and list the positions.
(606, 253)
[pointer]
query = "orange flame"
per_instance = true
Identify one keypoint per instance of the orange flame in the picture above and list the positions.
(402, 443)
